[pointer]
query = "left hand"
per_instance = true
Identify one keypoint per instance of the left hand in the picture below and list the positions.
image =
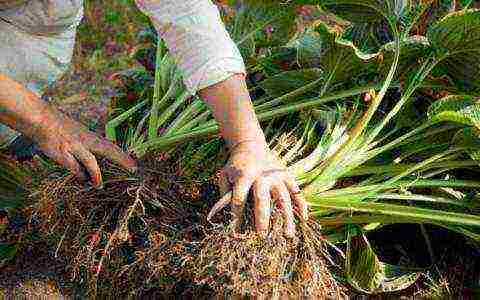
(252, 166)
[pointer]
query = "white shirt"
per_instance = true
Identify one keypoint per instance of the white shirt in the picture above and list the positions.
(37, 39)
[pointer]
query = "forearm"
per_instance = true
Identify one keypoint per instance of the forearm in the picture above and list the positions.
(20, 109)
(231, 106)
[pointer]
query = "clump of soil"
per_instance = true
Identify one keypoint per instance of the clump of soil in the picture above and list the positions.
(148, 234)
(250, 264)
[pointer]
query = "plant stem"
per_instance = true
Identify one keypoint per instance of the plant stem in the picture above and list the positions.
(359, 128)
(425, 69)
(384, 169)
(170, 140)
(412, 214)
(110, 127)
(152, 128)
(415, 183)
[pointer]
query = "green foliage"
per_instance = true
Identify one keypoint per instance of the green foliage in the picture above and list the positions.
(261, 25)
(12, 184)
(366, 273)
(7, 251)
(358, 159)
(456, 108)
(456, 42)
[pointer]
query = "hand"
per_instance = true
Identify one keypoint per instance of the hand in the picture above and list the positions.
(252, 166)
(73, 146)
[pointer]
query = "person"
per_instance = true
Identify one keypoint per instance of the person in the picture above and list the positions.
(36, 45)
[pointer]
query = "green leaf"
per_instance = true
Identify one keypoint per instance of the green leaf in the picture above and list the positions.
(462, 109)
(372, 20)
(367, 10)
(340, 59)
(289, 81)
(367, 274)
(261, 25)
(7, 251)
(469, 138)
(397, 213)
(414, 48)
(340, 55)
(456, 39)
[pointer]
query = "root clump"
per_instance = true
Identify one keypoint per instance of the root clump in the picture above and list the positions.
(146, 235)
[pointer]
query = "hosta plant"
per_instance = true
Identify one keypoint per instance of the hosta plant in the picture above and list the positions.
(386, 111)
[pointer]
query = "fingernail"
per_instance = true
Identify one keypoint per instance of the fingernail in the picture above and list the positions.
(305, 216)
(290, 232)
(99, 186)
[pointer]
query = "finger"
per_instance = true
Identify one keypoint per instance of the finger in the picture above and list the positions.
(240, 191)
(223, 183)
(297, 197)
(221, 204)
(89, 161)
(112, 152)
(74, 167)
(66, 160)
(262, 198)
(281, 193)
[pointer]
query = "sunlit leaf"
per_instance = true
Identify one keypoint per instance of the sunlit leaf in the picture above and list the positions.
(456, 108)
(456, 38)
(367, 274)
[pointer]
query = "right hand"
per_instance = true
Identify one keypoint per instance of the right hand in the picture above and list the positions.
(73, 146)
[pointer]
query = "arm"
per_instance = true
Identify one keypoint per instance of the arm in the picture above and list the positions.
(213, 66)
(251, 165)
(62, 139)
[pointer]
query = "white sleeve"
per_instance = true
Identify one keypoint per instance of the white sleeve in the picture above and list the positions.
(197, 39)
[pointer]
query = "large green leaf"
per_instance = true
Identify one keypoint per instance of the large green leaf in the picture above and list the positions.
(261, 25)
(289, 81)
(469, 138)
(367, 10)
(327, 62)
(462, 109)
(320, 46)
(456, 39)
(367, 274)
(414, 48)
(372, 20)
(341, 57)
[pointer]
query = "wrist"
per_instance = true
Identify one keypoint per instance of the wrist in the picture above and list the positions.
(250, 145)
(21, 109)
(37, 121)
